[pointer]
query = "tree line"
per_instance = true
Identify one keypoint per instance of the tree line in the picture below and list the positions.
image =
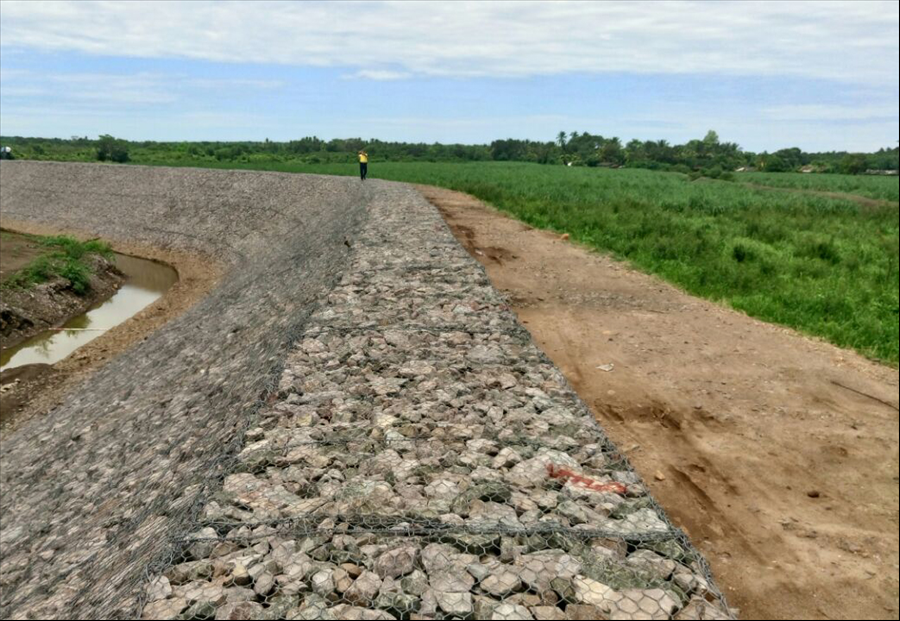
(708, 156)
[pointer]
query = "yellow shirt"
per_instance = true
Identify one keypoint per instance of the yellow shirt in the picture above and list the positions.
(363, 158)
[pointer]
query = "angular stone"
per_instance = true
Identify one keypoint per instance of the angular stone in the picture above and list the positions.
(459, 604)
(187, 572)
(415, 583)
(264, 584)
(239, 610)
(509, 611)
(652, 563)
(583, 612)
(342, 580)
(158, 589)
(539, 568)
(501, 583)
(364, 589)
(588, 591)
(397, 562)
(643, 603)
(550, 613)
(323, 582)
(451, 581)
(164, 608)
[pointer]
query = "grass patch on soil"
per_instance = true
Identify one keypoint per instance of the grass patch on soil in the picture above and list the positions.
(64, 257)
(824, 266)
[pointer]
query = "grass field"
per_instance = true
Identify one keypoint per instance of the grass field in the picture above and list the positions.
(871, 186)
(824, 266)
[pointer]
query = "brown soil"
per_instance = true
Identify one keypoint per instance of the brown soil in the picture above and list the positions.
(777, 453)
(43, 388)
(17, 252)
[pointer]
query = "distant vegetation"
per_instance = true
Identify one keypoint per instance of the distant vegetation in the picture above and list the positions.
(822, 264)
(709, 157)
(66, 257)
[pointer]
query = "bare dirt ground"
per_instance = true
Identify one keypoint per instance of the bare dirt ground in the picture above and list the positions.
(777, 453)
(17, 253)
(40, 387)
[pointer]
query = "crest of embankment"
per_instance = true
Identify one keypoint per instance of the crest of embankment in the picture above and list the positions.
(90, 490)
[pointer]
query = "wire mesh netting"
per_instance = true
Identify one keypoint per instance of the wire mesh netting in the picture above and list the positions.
(423, 459)
(390, 446)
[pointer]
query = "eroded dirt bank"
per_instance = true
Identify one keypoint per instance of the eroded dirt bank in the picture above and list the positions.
(767, 447)
(90, 491)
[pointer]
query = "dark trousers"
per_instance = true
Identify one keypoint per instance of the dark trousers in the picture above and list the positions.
(363, 170)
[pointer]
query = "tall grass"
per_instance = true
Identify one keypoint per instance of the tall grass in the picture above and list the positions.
(871, 186)
(824, 266)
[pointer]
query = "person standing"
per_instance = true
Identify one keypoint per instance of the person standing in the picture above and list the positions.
(363, 165)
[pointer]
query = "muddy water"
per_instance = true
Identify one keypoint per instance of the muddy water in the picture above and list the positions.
(145, 282)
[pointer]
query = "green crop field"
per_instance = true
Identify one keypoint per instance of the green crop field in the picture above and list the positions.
(871, 186)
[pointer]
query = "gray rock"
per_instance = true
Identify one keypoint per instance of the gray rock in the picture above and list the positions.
(239, 610)
(459, 604)
(501, 582)
(165, 608)
(364, 589)
(397, 562)
(323, 582)
(159, 588)
(264, 584)
(509, 611)
(551, 613)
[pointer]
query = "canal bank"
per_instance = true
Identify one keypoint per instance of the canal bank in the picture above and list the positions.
(32, 388)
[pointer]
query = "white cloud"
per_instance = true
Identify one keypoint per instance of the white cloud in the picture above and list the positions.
(379, 74)
(855, 41)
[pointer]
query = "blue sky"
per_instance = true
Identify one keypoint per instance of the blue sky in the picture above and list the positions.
(821, 76)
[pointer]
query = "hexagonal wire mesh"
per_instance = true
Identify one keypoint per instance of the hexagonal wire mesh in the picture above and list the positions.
(423, 459)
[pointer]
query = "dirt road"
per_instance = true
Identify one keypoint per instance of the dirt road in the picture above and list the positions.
(777, 454)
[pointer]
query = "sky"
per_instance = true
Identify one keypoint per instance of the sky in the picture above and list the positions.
(767, 75)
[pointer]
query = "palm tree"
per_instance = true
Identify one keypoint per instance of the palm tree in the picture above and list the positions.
(561, 140)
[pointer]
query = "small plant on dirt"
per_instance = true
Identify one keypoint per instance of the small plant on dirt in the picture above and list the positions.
(66, 258)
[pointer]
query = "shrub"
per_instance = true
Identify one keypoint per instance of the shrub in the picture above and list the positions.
(112, 149)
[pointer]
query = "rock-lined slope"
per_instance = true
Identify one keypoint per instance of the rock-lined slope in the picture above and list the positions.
(91, 492)
(424, 460)
(392, 445)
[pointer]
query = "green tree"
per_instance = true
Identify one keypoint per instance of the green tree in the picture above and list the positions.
(112, 149)
(561, 140)
(853, 164)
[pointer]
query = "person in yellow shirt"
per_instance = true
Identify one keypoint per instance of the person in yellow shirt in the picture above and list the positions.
(363, 165)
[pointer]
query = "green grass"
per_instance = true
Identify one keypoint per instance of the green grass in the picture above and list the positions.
(65, 258)
(871, 186)
(826, 267)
